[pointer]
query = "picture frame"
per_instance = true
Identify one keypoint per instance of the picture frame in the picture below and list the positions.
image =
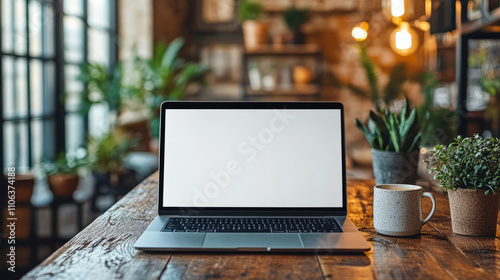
(216, 16)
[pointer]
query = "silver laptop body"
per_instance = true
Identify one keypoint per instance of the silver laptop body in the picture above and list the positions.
(252, 160)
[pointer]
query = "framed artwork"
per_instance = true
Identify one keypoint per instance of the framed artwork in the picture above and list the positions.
(216, 15)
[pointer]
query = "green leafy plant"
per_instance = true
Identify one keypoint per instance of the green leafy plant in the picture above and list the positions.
(467, 163)
(65, 163)
(249, 10)
(101, 86)
(164, 77)
(295, 17)
(391, 131)
(107, 152)
(490, 84)
(392, 91)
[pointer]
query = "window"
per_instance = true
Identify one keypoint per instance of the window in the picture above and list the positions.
(42, 45)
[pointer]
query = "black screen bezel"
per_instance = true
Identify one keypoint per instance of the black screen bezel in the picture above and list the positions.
(247, 211)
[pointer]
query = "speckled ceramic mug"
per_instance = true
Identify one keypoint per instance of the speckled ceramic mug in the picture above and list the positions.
(397, 209)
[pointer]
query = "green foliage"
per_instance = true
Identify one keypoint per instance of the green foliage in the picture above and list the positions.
(107, 152)
(164, 77)
(390, 131)
(100, 86)
(65, 163)
(467, 163)
(490, 85)
(392, 91)
(249, 10)
(295, 17)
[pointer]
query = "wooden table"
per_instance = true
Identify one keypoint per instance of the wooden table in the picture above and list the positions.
(104, 250)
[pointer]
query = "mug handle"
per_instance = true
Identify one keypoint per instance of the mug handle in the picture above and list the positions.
(429, 195)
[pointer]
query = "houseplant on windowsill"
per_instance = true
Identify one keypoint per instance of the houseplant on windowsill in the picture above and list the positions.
(395, 140)
(254, 32)
(62, 173)
(469, 169)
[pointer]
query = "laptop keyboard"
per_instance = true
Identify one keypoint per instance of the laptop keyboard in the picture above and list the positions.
(271, 225)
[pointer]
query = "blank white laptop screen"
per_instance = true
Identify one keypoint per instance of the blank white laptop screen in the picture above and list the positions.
(253, 158)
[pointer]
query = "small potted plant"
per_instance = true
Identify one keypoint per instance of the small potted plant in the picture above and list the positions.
(106, 158)
(469, 169)
(395, 140)
(254, 32)
(294, 18)
(62, 173)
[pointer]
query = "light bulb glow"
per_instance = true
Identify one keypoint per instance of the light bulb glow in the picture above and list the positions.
(403, 39)
(397, 8)
(359, 33)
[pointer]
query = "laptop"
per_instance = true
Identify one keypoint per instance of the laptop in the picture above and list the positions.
(252, 176)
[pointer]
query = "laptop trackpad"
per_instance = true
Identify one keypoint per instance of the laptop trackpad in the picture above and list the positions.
(252, 240)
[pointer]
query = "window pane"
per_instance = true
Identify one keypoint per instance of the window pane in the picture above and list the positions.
(49, 87)
(47, 30)
(98, 119)
(74, 131)
(8, 144)
(20, 26)
(98, 47)
(73, 87)
(35, 28)
(36, 146)
(98, 13)
(20, 91)
(42, 147)
(21, 141)
(16, 145)
(6, 25)
(8, 86)
(36, 87)
(73, 7)
(73, 39)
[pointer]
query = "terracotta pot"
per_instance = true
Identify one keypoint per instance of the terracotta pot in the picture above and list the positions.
(24, 184)
(63, 185)
(473, 213)
(254, 33)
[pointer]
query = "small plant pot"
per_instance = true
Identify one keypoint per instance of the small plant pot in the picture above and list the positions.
(254, 34)
(24, 184)
(395, 168)
(63, 185)
(297, 37)
(473, 213)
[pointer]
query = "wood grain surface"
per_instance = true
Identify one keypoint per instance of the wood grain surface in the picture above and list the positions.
(104, 250)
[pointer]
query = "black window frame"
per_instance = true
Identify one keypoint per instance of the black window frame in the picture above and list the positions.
(59, 114)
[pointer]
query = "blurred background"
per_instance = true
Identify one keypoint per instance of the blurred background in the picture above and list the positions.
(82, 81)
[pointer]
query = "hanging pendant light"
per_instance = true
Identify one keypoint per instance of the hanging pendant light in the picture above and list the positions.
(397, 10)
(360, 32)
(404, 40)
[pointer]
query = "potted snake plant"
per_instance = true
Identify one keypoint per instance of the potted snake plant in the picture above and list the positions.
(469, 169)
(395, 140)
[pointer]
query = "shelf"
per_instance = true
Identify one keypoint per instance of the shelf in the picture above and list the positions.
(296, 90)
(480, 25)
(308, 49)
(339, 7)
